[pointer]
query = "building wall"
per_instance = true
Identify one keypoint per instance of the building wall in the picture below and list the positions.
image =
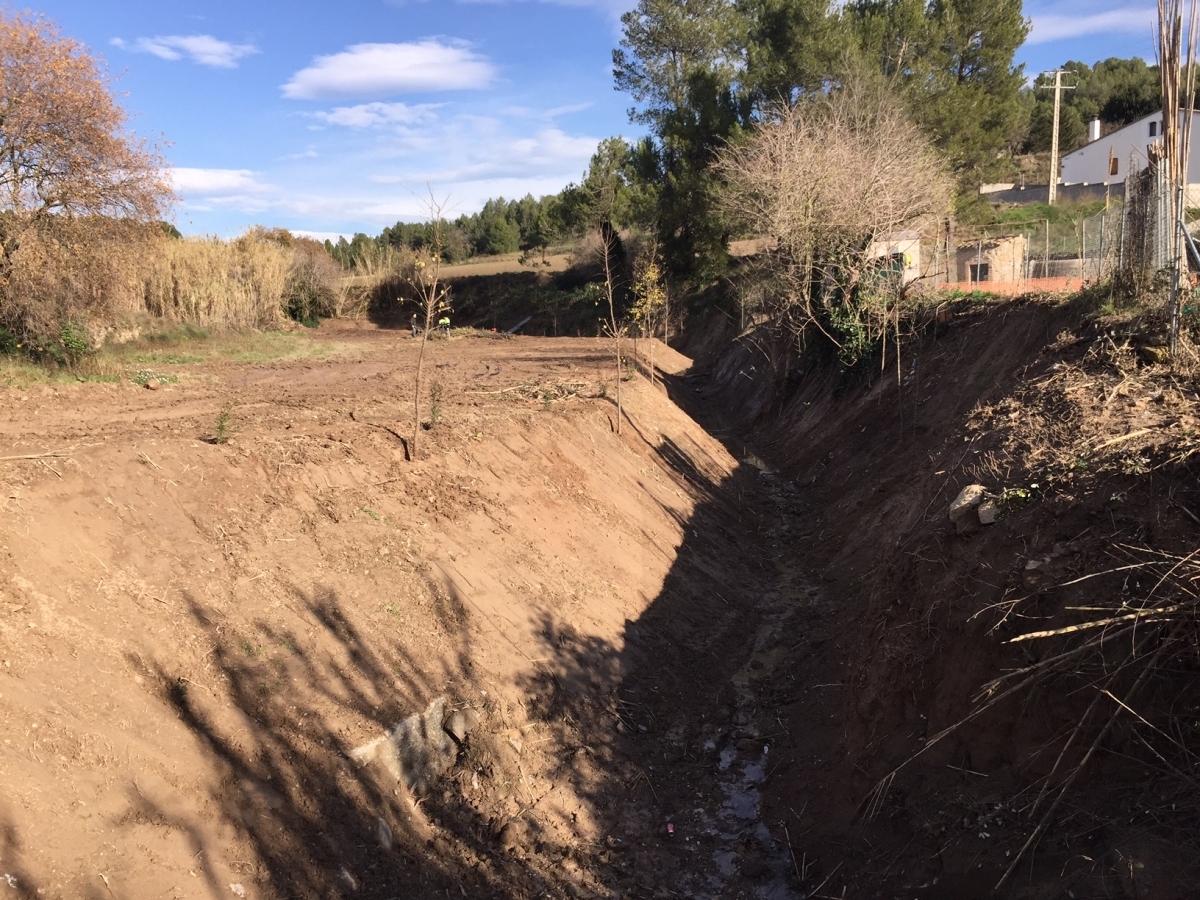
(906, 246)
(1130, 146)
(1004, 257)
(1040, 193)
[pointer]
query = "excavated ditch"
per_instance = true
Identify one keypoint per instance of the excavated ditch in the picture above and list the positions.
(544, 660)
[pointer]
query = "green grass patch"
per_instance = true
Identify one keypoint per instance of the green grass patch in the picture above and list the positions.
(269, 346)
(189, 346)
(22, 372)
(143, 376)
(168, 358)
(145, 358)
(1059, 214)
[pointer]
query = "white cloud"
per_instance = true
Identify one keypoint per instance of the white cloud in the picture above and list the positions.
(550, 154)
(529, 112)
(370, 115)
(1054, 27)
(382, 70)
(611, 7)
(320, 235)
(199, 48)
(213, 183)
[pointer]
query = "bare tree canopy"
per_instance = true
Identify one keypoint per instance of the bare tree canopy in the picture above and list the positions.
(64, 147)
(824, 181)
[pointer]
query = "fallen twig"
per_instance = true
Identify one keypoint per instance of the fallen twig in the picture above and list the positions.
(1124, 437)
(1098, 623)
(49, 454)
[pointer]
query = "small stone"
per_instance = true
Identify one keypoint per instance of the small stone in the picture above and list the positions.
(153, 384)
(988, 513)
(460, 723)
(1154, 355)
(1037, 574)
(750, 745)
(967, 500)
(383, 832)
(512, 835)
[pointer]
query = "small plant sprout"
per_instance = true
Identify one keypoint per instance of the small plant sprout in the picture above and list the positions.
(224, 427)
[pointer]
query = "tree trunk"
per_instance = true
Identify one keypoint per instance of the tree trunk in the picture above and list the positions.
(617, 337)
(417, 391)
(612, 320)
(653, 374)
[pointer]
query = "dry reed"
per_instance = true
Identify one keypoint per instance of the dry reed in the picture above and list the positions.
(226, 284)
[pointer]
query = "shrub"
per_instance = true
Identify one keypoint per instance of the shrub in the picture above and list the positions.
(314, 284)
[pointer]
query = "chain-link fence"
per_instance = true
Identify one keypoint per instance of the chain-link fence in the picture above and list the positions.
(1145, 226)
(1039, 254)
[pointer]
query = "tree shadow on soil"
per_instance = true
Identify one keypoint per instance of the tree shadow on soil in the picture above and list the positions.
(637, 728)
(286, 781)
(656, 709)
(15, 880)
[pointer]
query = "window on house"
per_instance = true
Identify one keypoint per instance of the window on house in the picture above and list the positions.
(1153, 129)
(1114, 166)
(979, 271)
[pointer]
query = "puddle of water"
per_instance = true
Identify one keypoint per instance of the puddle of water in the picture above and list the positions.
(728, 755)
(740, 779)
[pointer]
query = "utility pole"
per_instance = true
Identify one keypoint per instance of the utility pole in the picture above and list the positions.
(1058, 88)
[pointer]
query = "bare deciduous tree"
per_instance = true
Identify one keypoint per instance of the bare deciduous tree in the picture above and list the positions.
(424, 277)
(614, 325)
(828, 181)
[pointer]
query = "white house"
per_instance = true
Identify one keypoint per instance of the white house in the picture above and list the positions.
(904, 248)
(1110, 159)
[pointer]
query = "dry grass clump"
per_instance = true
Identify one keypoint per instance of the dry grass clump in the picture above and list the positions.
(1122, 641)
(76, 277)
(1113, 409)
(68, 270)
(226, 284)
(1133, 647)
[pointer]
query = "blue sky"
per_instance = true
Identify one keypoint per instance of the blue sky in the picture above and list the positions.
(330, 118)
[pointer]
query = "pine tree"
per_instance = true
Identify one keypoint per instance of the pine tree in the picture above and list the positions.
(954, 59)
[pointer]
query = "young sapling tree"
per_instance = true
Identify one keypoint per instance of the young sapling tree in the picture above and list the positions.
(431, 294)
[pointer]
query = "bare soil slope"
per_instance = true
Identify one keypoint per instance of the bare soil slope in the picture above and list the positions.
(710, 656)
(1089, 452)
(196, 635)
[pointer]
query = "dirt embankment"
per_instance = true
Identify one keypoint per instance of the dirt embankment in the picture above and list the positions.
(1089, 455)
(202, 643)
(550, 660)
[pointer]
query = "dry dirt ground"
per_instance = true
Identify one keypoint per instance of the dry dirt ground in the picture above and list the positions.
(212, 593)
(238, 626)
